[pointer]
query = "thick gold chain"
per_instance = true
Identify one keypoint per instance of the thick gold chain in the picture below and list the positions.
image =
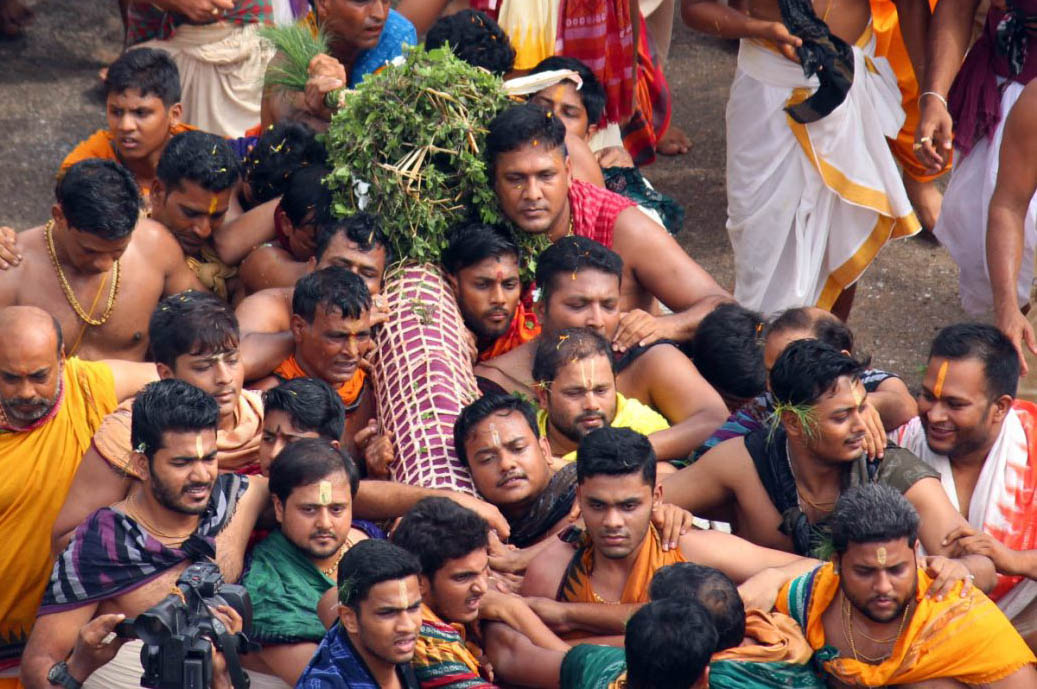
(48, 232)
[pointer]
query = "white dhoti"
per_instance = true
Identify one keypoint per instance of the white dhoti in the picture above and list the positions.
(121, 672)
(221, 74)
(962, 226)
(809, 206)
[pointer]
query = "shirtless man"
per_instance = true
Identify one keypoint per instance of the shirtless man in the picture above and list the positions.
(196, 176)
(778, 485)
(181, 497)
(798, 238)
(532, 178)
(90, 268)
(580, 283)
(355, 243)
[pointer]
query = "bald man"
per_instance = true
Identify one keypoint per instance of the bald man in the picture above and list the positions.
(50, 407)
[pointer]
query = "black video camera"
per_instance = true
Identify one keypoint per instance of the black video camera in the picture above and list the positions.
(179, 632)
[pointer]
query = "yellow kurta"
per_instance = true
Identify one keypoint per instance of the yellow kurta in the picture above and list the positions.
(37, 468)
(630, 413)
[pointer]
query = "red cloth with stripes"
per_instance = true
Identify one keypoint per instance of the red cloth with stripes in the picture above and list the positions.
(594, 211)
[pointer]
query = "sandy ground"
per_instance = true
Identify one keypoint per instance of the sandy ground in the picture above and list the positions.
(50, 99)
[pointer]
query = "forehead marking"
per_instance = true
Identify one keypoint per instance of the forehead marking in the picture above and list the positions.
(880, 555)
(212, 204)
(404, 599)
(494, 436)
(198, 448)
(855, 390)
(940, 376)
(324, 492)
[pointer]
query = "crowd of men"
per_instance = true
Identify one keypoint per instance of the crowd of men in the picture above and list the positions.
(675, 486)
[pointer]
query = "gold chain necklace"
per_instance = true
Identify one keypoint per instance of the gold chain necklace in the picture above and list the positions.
(330, 572)
(819, 506)
(135, 516)
(847, 616)
(48, 232)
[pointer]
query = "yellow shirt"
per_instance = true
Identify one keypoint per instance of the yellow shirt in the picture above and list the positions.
(37, 467)
(630, 413)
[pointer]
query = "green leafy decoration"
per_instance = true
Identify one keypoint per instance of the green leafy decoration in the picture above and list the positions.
(408, 144)
(296, 46)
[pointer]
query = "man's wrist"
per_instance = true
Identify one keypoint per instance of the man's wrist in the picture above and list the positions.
(78, 669)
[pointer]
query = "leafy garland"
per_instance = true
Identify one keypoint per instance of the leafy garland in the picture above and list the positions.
(408, 144)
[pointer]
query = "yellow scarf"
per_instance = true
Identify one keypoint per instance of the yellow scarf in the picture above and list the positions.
(630, 413)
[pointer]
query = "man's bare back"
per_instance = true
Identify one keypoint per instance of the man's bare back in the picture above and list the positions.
(151, 267)
(267, 311)
(847, 19)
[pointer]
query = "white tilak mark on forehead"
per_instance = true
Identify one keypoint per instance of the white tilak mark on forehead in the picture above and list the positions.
(198, 448)
(880, 555)
(404, 598)
(324, 493)
(494, 435)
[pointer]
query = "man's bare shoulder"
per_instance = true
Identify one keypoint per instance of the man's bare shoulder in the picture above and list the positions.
(545, 572)
(728, 462)
(268, 310)
(509, 368)
(661, 360)
(154, 241)
(34, 255)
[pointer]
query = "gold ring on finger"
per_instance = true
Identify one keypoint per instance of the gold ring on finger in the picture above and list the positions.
(925, 140)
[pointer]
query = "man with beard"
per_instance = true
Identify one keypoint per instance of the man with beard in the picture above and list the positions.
(576, 388)
(482, 265)
(779, 484)
(125, 558)
(372, 642)
(531, 173)
(620, 551)
(96, 265)
(194, 337)
(50, 407)
(313, 486)
(983, 442)
(331, 327)
(580, 282)
(870, 623)
(452, 544)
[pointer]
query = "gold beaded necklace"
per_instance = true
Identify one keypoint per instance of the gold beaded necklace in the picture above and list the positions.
(330, 572)
(70, 296)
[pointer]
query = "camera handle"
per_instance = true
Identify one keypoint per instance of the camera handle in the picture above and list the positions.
(227, 644)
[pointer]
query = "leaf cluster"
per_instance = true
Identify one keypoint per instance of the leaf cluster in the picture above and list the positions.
(296, 46)
(408, 144)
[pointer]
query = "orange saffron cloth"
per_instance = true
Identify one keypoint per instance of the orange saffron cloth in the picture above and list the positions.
(349, 391)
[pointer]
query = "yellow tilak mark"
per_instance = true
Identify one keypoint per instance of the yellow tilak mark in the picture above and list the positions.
(588, 378)
(404, 599)
(324, 493)
(494, 435)
(940, 376)
(212, 205)
(198, 448)
(880, 555)
(855, 390)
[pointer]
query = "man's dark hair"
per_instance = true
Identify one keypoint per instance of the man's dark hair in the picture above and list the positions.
(200, 158)
(305, 193)
(311, 404)
(520, 125)
(827, 327)
(369, 563)
(475, 38)
(365, 229)
(475, 242)
(668, 644)
(330, 288)
(987, 344)
(169, 405)
(728, 351)
(479, 410)
(100, 197)
(712, 589)
(872, 513)
(150, 71)
(565, 346)
(192, 323)
(796, 318)
(807, 369)
(570, 255)
(280, 151)
(613, 451)
(307, 461)
(438, 530)
(592, 93)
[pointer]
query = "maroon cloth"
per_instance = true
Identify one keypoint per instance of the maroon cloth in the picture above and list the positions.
(594, 211)
(975, 99)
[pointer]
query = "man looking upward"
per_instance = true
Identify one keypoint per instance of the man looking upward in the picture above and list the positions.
(531, 176)
(92, 269)
(50, 407)
(376, 630)
(868, 609)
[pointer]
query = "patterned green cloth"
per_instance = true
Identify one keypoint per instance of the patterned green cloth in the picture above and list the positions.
(593, 667)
